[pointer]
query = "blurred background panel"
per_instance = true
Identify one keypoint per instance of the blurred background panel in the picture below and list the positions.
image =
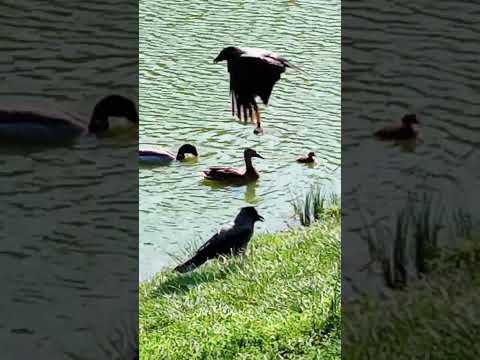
(69, 219)
(410, 202)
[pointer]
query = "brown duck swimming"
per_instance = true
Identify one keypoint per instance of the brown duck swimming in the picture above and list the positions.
(230, 174)
(405, 131)
(308, 159)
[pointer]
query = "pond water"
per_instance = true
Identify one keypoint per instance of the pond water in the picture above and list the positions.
(185, 99)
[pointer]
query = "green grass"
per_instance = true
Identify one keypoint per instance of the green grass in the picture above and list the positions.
(281, 301)
(437, 317)
(316, 205)
(413, 241)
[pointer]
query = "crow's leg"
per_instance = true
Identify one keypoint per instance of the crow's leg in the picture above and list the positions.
(258, 130)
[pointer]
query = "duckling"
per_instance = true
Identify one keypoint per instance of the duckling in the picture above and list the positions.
(42, 127)
(232, 239)
(166, 156)
(405, 131)
(230, 174)
(308, 159)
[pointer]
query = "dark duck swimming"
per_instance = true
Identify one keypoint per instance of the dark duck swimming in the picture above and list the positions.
(403, 131)
(232, 239)
(40, 126)
(235, 175)
(253, 72)
(164, 157)
(307, 159)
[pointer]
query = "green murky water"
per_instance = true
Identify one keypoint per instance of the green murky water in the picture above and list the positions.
(184, 98)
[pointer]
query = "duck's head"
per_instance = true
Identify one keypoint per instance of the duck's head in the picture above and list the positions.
(311, 154)
(249, 153)
(186, 149)
(112, 106)
(249, 213)
(228, 53)
(409, 119)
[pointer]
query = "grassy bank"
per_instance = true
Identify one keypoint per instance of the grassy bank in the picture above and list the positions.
(282, 301)
(436, 318)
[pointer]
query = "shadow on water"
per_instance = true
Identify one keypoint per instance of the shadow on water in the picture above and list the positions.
(408, 146)
(250, 194)
(189, 161)
(28, 144)
(310, 165)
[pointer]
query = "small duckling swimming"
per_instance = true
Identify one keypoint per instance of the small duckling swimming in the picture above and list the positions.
(42, 127)
(234, 175)
(165, 157)
(405, 131)
(308, 159)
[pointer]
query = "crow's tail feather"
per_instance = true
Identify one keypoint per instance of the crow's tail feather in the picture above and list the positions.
(244, 107)
(191, 264)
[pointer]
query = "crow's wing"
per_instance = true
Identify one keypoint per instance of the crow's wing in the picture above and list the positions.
(251, 76)
(267, 55)
(224, 241)
(229, 240)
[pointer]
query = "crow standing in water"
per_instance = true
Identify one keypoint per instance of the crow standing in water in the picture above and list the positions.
(230, 240)
(253, 72)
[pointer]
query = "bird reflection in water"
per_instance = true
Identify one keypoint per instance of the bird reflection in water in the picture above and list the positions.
(250, 195)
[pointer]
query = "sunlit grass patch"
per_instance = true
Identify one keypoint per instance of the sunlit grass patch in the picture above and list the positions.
(316, 205)
(282, 301)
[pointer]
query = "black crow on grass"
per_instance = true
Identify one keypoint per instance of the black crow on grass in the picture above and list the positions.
(232, 239)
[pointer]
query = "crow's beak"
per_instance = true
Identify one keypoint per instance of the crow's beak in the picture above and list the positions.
(260, 217)
(216, 60)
